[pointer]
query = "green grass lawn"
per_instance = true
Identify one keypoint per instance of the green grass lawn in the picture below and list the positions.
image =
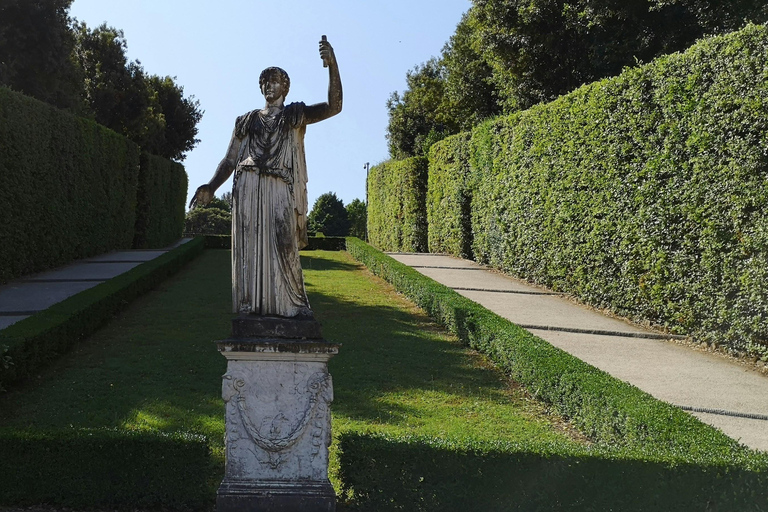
(420, 422)
(155, 367)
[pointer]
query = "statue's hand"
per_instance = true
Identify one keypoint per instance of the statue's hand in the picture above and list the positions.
(202, 197)
(326, 52)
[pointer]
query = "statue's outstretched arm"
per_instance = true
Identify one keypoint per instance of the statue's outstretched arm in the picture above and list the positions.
(204, 193)
(321, 111)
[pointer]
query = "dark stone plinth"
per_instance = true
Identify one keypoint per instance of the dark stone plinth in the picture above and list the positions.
(252, 326)
(255, 496)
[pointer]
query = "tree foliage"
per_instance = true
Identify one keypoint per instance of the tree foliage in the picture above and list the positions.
(508, 55)
(328, 216)
(541, 49)
(46, 55)
(358, 218)
(150, 110)
(422, 115)
(35, 48)
(214, 218)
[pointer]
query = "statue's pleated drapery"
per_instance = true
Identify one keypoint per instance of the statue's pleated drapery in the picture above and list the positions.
(269, 209)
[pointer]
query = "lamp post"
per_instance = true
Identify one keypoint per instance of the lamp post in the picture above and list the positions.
(367, 168)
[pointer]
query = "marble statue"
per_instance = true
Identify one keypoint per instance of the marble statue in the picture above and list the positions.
(269, 195)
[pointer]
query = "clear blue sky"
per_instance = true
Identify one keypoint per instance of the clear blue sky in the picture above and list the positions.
(216, 51)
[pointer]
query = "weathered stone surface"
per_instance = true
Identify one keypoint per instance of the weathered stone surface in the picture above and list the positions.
(269, 194)
(278, 425)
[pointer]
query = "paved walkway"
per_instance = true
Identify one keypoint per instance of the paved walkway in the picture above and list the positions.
(725, 394)
(26, 296)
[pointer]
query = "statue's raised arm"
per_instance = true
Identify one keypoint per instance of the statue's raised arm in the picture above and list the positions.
(322, 111)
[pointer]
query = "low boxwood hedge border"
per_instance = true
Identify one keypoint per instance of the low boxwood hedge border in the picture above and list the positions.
(32, 342)
(385, 473)
(118, 469)
(610, 412)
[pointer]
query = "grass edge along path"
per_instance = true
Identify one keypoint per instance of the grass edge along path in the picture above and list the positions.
(694, 463)
(35, 341)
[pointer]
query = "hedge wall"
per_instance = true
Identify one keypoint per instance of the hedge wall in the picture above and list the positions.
(397, 219)
(449, 196)
(161, 197)
(646, 193)
(69, 187)
(75, 189)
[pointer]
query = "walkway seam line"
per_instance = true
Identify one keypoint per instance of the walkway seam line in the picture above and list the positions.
(522, 292)
(721, 412)
(447, 268)
(600, 332)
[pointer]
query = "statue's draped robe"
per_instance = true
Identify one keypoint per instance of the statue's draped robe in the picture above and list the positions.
(269, 213)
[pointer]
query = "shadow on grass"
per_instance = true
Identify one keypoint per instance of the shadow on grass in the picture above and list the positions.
(391, 474)
(386, 349)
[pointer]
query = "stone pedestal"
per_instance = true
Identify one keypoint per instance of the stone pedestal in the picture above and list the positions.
(277, 391)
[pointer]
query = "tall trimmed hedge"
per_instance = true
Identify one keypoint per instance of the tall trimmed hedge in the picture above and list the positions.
(449, 197)
(646, 193)
(69, 187)
(161, 197)
(72, 189)
(397, 219)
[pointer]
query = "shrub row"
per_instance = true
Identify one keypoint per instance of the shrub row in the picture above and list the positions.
(316, 243)
(107, 468)
(607, 410)
(39, 338)
(646, 193)
(397, 219)
(326, 243)
(162, 194)
(71, 189)
(426, 474)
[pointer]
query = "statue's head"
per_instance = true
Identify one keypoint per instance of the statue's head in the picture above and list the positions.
(274, 74)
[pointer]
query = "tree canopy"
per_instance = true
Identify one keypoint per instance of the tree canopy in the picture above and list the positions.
(47, 55)
(508, 55)
(357, 213)
(214, 218)
(36, 45)
(328, 216)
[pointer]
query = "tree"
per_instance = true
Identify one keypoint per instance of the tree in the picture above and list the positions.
(149, 110)
(328, 216)
(181, 116)
(469, 85)
(541, 49)
(422, 115)
(215, 218)
(358, 218)
(35, 52)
